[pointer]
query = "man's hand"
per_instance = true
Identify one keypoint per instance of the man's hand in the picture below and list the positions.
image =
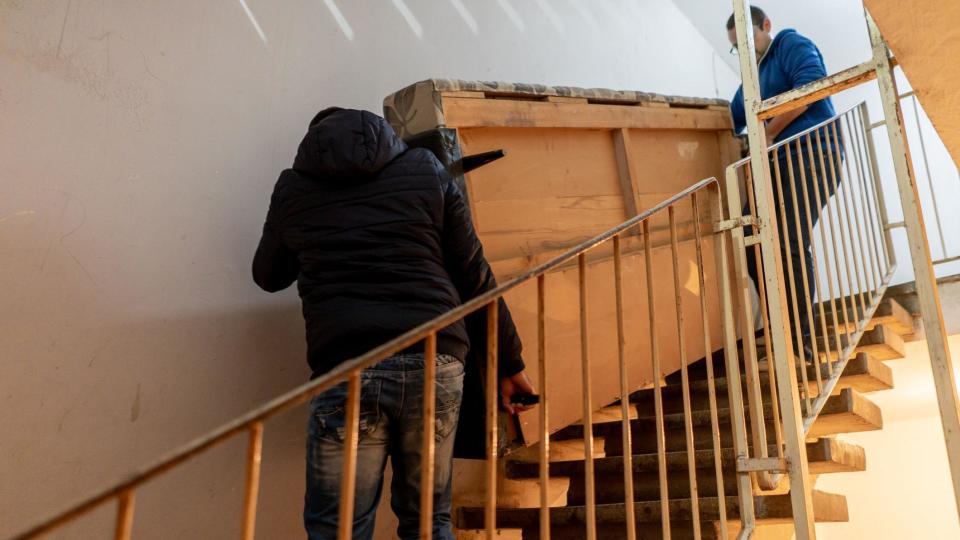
(517, 384)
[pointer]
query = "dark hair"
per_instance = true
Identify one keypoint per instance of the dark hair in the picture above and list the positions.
(323, 114)
(756, 14)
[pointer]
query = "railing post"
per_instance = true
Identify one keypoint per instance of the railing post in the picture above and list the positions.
(428, 445)
(124, 524)
(795, 451)
(879, 201)
(930, 310)
(493, 410)
(254, 455)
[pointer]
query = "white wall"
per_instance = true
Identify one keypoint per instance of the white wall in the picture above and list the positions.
(906, 490)
(139, 143)
(839, 30)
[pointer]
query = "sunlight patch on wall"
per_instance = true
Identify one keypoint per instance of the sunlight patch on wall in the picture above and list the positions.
(511, 14)
(552, 15)
(465, 15)
(585, 14)
(412, 21)
(253, 21)
(341, 20)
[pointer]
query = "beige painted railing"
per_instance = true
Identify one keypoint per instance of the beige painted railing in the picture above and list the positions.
(947, 254)
(879, 66)
(827, 190)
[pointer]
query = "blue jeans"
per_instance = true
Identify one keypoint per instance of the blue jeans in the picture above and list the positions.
(391, 424)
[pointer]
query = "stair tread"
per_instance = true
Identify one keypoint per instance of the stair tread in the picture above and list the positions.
(863, 373)
(846, 412)
(881, 342)
(828, 507)
(890, 313)
(825, 455)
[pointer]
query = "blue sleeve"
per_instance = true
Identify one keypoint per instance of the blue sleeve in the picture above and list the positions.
(801, 60)
(737, 111)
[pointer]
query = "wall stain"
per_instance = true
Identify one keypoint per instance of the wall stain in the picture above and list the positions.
(135, 408)
(63, 27)
(62, 419)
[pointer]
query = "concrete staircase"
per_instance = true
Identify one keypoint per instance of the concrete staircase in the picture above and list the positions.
(848, 410)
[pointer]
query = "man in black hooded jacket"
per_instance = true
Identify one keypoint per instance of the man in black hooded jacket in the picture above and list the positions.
(379, 240)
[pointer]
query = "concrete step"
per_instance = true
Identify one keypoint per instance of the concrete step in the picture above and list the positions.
(863, 373)
(570, 521)
(824, 456)
(881, 342)
(847, 412)
(560, 451)
(889, 313)
(481, 534)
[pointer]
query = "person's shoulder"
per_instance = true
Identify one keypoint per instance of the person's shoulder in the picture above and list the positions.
(289, 184)
(419, 161)
(789, 38)
(420, 156)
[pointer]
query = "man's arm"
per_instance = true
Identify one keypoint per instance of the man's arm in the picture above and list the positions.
(803, 64)
(777, 124)
(275, 266)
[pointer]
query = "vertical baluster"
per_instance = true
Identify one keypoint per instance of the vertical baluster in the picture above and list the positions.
(758, 430)
(868, 216)
(821, 207)
(815, 341)
(853, 220)
(587, 404)
(768, 352)
(493, 405)
(711, 384)
(124, 523)
(880, 204)
(657, 374)
(544, 425)
(852, 146)
(829, 202)
(348, 478)
(731, 358)
(805, 279)
(428, 448)
(624, 394)
(685, 379)
(843, 216)
(254, 451)
(792, 292)
(875, 214)
(926, 167)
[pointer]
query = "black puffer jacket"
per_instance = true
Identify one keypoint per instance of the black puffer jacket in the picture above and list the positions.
(379, 240)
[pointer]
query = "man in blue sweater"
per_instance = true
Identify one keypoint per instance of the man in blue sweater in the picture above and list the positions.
(788, 61)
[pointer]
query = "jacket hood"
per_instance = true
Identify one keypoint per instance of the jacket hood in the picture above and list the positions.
(348, 144)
